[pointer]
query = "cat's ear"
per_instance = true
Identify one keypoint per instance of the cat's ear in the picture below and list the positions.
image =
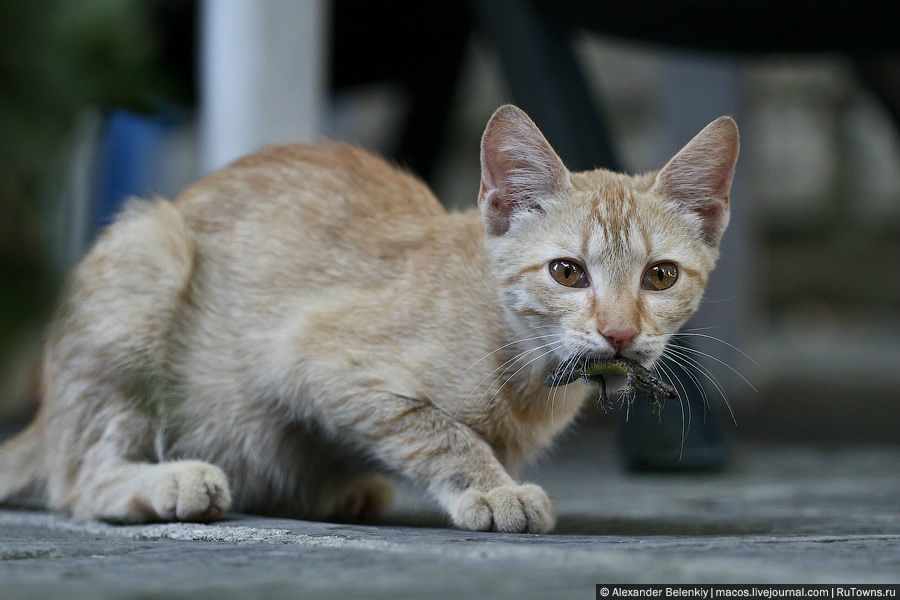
(521, 175)
(697, 181)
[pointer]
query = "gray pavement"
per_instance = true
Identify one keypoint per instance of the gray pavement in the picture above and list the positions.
(779, 514)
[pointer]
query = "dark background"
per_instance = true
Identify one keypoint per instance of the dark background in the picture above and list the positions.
(809, 286)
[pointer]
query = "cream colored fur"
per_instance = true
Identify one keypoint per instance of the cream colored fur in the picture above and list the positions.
(309, 317)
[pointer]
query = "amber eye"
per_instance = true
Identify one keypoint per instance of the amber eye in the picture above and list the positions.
(660, 276)
(568, 273)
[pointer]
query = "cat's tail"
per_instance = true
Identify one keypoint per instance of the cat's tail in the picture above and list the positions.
(22, 473)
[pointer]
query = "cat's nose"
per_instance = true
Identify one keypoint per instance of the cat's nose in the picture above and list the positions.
(619, 337)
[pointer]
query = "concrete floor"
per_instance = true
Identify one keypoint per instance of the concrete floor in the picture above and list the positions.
(779, 514)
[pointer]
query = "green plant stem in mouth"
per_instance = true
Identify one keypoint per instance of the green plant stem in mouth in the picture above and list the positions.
(637, 377)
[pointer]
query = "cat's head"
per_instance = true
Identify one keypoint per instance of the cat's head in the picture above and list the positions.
(604, 263)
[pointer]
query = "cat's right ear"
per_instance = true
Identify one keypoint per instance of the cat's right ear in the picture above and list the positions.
(521, 175)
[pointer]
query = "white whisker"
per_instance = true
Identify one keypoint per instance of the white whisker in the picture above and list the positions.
(722, 362)
(570, 360)
(500, 368)
(512, 343)
(551, 394)
(721, 341)
(681, 401)
(699, 387)
(511, 377)
(505, 367)
(703, 371)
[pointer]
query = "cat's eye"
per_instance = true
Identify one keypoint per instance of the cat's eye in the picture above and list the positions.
(660, 276)
(569, 273)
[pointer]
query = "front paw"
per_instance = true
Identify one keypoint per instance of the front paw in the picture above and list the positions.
(509, 508)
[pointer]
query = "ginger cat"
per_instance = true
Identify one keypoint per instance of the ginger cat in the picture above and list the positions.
(310, 316)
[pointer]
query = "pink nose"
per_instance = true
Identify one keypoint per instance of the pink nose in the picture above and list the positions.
(618, 337)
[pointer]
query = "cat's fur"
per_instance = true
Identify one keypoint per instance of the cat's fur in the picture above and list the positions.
(308, 316)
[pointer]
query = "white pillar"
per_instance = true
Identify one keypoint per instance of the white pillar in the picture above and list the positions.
(262, 75)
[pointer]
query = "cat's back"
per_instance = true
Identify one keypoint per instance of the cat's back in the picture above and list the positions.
(333, 186)
(299, 224)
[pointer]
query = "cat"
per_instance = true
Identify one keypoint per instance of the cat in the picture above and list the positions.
(310, 318)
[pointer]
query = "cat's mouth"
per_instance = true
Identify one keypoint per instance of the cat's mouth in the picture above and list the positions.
(644, 357)
(614, 374)
(614, 382)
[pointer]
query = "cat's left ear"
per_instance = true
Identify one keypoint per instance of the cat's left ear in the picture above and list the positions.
(697, 181)
(521, 175)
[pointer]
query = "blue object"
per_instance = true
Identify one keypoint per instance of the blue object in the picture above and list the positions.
(128, 159)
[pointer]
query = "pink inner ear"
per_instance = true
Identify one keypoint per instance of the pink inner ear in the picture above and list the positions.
(495, 212)
(714, 221)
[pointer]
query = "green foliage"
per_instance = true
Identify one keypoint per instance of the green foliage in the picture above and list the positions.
(58, 57)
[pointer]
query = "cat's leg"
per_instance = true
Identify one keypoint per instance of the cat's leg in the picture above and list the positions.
(291, 469)
(105, 372)
(363, 498)
(341, 496)
(102, 469)
(459, 468)
(127, 492)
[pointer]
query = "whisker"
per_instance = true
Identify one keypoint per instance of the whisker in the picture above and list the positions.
(721, 341)
(551, 396)
(717, 300)
(511, 360)
(700, 387)
(683, 397)
(575, 358)
(703, 371)
(722, 362)
(501, 367)
(681, 400)
(555, 390)
(512, 343)
(504, 369)
(511, 377)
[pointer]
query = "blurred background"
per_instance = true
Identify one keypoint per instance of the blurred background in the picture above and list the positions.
(105, 98)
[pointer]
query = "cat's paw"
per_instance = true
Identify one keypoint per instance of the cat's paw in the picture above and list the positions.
(189, 490)
(363, 499)
(510, 508)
